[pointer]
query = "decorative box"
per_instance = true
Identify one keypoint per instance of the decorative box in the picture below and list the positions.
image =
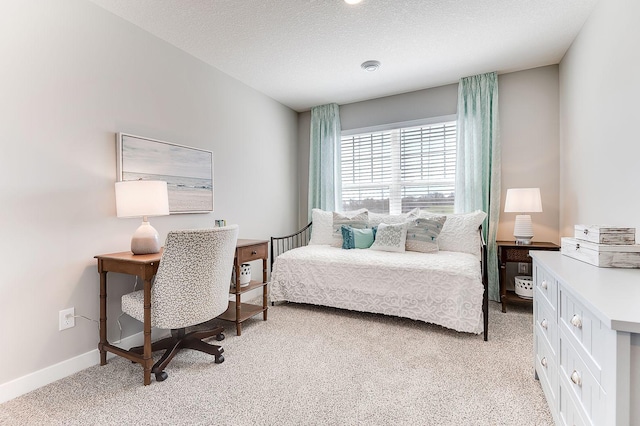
(602, 255)
(600, 234)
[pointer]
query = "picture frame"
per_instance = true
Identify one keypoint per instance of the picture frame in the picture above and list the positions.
(188, 171)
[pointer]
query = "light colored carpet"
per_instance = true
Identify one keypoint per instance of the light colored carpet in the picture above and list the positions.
(312, 365)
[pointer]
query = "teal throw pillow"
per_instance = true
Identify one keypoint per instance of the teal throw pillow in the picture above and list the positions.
(354, 238)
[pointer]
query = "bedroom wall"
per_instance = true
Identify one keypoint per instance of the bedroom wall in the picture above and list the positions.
(72, 76)
(530, 135)
(599, 149)
(599, 92)
(528, 125)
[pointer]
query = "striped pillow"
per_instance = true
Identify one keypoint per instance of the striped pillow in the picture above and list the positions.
(358, 221)
(422, 234)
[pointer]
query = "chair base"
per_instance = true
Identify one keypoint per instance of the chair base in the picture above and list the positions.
(180, 339)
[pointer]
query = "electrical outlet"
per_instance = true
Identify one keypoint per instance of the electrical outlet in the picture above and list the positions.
(523, 268)
(67, 318)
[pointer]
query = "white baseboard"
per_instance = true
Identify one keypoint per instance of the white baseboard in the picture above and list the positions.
(37, 379)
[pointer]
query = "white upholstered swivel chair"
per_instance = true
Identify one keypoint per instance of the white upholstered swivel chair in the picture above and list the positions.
(190, 287)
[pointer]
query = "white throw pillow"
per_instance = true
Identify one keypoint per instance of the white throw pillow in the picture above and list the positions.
(376, 219)
(322, 228)
(460, 232)
(390, 237)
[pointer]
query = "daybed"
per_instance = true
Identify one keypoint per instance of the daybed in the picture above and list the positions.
(447, 287)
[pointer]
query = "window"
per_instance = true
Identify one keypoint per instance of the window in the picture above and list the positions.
(396, 170)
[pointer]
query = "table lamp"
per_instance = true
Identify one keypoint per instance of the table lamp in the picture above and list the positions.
(142, 198)
(523, 200)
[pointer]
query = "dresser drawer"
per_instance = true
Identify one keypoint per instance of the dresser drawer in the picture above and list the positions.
(545, 322)
(254, 252)
(576, 379)
(596, 337)
(587, 333)
(547, 368)
(570, 414)
(547, 286)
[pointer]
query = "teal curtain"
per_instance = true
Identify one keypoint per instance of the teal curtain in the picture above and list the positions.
(478, 162)
(324, 158)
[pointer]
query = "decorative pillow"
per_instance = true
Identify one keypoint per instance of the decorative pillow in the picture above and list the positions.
(460, 232)
(322, 228)
(376, 219)
(422, 234)
(390, 237)
(359, 221)
(354, 238)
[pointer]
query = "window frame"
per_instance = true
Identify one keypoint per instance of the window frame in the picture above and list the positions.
(395, 186)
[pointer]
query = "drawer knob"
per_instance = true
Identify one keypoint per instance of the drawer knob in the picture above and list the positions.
(575, 378)
(576, 321)
(544, 284)
(543, 361)
(544, 323)
(254, 252)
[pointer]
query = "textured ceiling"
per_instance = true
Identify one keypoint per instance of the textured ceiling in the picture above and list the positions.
(308, 52)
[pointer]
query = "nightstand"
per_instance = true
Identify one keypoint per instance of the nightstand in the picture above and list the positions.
(238, 311)
(509, 251)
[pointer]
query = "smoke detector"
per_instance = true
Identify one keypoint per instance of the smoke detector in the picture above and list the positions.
(370, 65)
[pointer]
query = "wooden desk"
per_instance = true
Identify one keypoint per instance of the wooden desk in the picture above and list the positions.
(145, 266)
(509, 251)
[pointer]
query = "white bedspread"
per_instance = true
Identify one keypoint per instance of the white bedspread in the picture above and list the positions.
(443, 288)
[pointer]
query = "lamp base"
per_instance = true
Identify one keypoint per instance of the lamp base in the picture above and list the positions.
(523, 241)
(145, 240)
(523, 229)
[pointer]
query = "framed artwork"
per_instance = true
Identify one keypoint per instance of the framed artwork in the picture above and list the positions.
(187, 171)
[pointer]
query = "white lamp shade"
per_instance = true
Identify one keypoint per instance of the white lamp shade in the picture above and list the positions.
(136, 198)
(523, 200)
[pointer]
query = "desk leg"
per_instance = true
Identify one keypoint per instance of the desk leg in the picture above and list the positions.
(103, 317)
(146, 356)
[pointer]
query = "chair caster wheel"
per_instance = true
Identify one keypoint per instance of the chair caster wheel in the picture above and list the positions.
(220, 337)
(161, 376)
(219, 359)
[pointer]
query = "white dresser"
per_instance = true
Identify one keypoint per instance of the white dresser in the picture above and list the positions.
(587, 340)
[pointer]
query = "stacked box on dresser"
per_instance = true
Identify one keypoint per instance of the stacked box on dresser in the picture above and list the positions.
(603, 246)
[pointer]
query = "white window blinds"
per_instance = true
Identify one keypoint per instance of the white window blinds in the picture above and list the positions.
(399, 169)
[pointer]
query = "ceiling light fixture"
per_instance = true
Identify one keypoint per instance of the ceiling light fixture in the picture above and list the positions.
(352, 1)
(370, 65)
